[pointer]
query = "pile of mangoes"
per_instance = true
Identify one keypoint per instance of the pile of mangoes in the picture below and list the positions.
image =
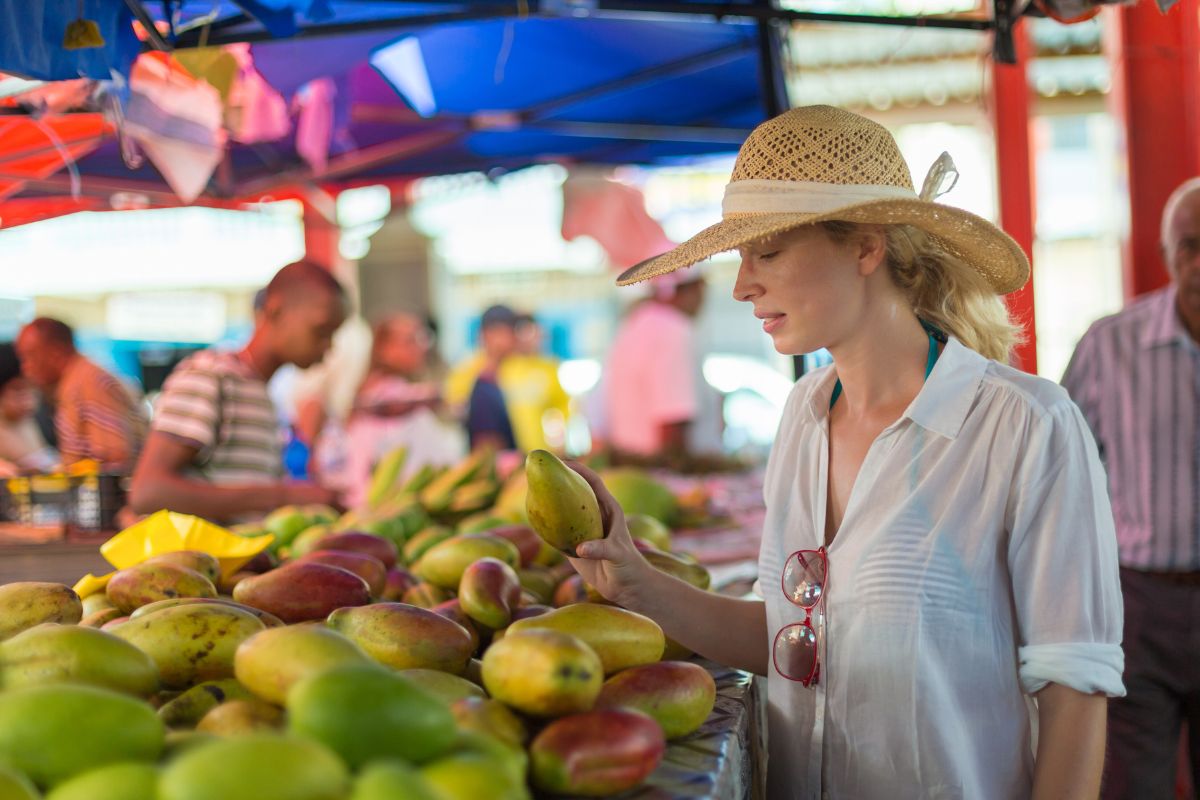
(413, 650)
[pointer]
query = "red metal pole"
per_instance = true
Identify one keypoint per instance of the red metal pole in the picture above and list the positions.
(1014, 168)
(1156, 100)
(322, 235)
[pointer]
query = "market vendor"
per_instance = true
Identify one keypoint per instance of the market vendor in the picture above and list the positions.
(215, 446)
(96, 416)
(22, 448)
(938, 570)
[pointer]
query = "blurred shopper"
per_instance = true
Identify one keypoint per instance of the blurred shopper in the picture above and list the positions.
(22, 448)
(657, 401)
(398, 404)
(215, 446)
(96, 416)
(537, 402)
(474, 386)
(1136, 377)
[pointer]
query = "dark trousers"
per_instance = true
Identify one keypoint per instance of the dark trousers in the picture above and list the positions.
(1162, 681)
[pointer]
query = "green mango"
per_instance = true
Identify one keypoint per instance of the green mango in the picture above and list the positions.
(127, 781)
(27, 603)
(621, 638)
(262, 766)
(192, 643)
(391, 780)
(190, 707)
(15, 786)
(51, 653)
(471, 776)
(52, 733)
(364, 713)
(444, 564)
(562, 507)
(271, 662)
(450, 688)
(422, 541)
(637, 493)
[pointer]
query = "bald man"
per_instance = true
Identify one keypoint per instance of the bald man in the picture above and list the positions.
(96, 416)
(1136, 377)
(215, 447)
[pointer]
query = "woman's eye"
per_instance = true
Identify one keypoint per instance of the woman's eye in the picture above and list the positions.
(768, 256)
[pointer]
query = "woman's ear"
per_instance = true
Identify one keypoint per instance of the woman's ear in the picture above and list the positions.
(872, 248)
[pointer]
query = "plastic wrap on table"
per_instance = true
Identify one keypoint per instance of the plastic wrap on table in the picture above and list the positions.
(717, 762)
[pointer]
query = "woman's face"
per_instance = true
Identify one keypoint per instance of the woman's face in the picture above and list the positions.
(17, 400)
(808, 289)
(405, 347)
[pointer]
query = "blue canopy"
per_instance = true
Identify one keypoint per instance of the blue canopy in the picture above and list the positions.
(432, 88)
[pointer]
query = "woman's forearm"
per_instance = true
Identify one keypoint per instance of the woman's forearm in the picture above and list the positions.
(1070, 749)
(725, 629)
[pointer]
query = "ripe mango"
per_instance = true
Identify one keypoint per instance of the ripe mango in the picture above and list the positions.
(523, 537)
(268, 619)
(489, 592)
(562, 507)
(191, 643)
(490, 717)
(539, 582)
(425, 595)
(683, 568)
(127, 781)
(51, 653)
(190, 707)
(391, 780)
(572, 590)
(471, 776)
(649, 529)
(443, 564)
(359, 542)
(51, 733)
(621, 638)
(452, 610)
(27, 603)
(422, 541)
(679, 695)
(369, 568)
(543, 673)
(270, 662)
(303, 591)
(446, 687)
(100, 618)
(530, 611)
(596, 754)
(145, 583)
(404, 637)
(398, 581)
(363, 713)
(15, 786)
(260, 766)
(96, 602)
(195, 560)
(238, 717)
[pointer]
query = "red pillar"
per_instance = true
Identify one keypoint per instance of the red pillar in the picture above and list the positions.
(322, 235)
(1014, 168)
(1156, 100)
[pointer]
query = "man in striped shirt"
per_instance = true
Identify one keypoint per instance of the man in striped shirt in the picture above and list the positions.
(1136, 377)
(95, 415)
(215, 446)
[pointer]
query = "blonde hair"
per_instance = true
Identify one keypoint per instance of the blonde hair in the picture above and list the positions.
(943, 290)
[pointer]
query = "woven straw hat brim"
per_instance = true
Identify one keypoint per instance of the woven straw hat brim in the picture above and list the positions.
(971, 238)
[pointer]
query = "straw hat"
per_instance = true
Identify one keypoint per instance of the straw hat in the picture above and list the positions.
(819, 163)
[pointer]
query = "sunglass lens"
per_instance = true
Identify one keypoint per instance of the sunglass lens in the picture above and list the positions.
(804, 577)
(795, 652)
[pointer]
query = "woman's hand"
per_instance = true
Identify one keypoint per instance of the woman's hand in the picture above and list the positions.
(612, 565)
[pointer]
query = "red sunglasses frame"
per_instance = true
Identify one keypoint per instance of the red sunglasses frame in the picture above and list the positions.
(815, 675)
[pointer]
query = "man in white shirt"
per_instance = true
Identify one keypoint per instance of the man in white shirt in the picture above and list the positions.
(653, 384)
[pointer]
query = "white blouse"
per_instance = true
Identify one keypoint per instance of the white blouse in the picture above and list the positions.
(976, 563)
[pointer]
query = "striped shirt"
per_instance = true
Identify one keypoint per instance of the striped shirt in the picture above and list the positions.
(97, 417)
(1134, 376)
(215, 402)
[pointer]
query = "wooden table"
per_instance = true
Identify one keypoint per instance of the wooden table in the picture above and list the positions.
(49, 554)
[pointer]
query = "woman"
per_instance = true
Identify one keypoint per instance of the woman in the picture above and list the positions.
(22, 448)
(396, 405)
(938, 548)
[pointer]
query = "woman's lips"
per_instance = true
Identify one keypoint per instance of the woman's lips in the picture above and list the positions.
(771, 324)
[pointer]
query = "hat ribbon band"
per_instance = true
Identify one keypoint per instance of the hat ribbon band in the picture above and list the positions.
(804, 197)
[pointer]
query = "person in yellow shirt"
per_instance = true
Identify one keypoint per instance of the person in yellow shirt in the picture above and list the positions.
(534, 399)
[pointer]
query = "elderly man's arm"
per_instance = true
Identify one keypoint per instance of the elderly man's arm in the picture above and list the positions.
(160, 481)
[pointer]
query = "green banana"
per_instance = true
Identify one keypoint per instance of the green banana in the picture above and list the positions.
(385, 475)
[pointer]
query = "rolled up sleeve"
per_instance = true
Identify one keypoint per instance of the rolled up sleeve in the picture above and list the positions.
(1062, 556)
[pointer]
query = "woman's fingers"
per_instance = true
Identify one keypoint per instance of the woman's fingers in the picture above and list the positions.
(610, 509)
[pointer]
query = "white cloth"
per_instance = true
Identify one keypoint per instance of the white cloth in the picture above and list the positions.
(976, 562)
(650, 377)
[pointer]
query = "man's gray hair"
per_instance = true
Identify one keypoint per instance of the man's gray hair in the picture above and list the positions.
(1182, 191)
